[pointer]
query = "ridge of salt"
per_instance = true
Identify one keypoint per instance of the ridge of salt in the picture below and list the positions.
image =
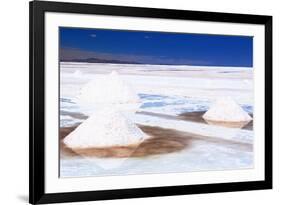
(226, 110)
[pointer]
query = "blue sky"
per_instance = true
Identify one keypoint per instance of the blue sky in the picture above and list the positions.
(157, 47)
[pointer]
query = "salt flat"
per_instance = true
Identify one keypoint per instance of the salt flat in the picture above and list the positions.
(169, 90)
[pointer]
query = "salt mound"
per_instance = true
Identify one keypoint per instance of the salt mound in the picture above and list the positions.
(106, 128)
(226, 110)
(77, 73)
(110, 101)
(109, 89)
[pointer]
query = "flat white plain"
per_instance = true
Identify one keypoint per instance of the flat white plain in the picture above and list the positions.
(170, 90)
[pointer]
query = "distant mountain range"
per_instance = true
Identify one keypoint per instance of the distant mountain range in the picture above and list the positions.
(99, 60)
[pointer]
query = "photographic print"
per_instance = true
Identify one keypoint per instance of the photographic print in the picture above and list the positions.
(129, 102)
(148, 102)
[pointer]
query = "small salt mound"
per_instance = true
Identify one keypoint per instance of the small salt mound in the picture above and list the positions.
(106, 128)
(226, 110)
(109, 89)
(77, 73)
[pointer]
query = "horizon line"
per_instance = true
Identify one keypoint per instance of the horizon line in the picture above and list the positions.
(61, 61)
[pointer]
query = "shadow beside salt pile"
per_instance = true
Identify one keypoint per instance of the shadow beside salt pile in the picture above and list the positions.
(228, 124)
(226, 112)
(161, 141)
(108, 131)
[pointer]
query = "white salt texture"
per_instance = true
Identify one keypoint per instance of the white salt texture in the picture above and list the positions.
(106, 128)
(226, 110)
(108, 89)
(77, 74)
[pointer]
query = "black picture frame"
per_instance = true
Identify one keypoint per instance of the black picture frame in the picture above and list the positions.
(37, 193)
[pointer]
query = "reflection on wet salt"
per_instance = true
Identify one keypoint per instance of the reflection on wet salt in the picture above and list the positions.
(161, 141)
(173, 101)
(228, 124)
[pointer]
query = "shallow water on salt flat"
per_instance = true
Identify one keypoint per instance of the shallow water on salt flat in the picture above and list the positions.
(202, 156)
(163, 95)
(170, 105)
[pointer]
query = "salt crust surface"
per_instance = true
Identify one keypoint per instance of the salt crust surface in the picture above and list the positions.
(225, 109)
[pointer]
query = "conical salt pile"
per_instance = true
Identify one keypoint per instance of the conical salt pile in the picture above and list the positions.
(226, 110)
(105, 128)
(109, 89)
(77, 74)
(108, 125)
